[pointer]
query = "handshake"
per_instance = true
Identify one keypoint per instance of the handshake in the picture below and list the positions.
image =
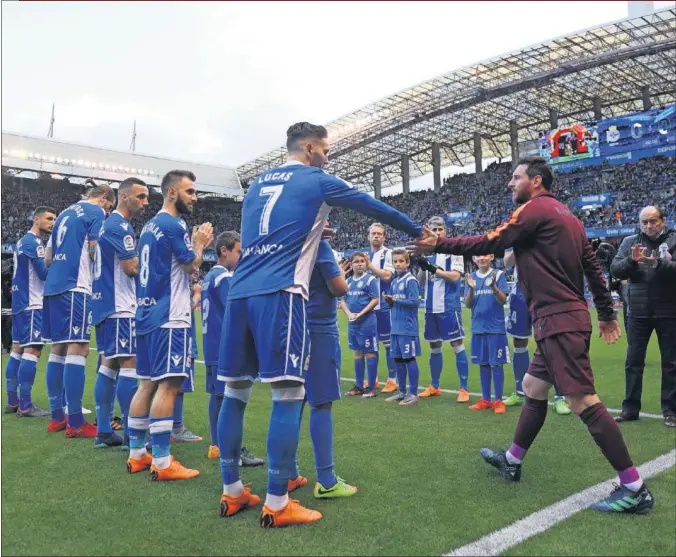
(422, 262)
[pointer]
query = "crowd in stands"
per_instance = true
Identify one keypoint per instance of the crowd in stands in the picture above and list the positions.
(632, 185)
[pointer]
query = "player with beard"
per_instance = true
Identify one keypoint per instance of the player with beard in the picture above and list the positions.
(163, 325)
(553, 256)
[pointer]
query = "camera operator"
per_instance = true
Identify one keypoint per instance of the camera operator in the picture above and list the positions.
(648, 262)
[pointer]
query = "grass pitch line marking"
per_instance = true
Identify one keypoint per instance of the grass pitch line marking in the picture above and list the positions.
(544, 519)
(451, 391)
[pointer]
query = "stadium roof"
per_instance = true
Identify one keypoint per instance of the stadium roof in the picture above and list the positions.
(23, 153)
(613, 61)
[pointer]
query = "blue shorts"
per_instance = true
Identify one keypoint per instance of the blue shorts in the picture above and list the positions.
(189, 383)
(27, 328)
(265, 336)
(405, 346)
(116, 337)
(214, 385)
(362, 337)
(384, 324)
(444, 326)
(322, 381)
(164, 353)
(70, 318)
(518, 321)
(490, 349)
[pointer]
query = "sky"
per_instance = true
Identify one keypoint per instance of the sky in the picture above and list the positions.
(219, 83)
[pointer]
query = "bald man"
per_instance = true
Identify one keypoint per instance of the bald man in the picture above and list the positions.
(647, 260)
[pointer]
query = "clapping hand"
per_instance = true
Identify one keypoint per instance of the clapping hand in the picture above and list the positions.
(469, 280)
(389, 299)
(202, 235)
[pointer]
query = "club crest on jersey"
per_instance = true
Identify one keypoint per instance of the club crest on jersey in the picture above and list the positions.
(176, 360)
(402, 286)
(360, 284)
(128, 242)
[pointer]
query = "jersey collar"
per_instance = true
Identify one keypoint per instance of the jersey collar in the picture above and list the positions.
(484, 275)
(292, 163)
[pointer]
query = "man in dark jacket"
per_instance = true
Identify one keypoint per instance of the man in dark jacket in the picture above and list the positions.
(648, 261)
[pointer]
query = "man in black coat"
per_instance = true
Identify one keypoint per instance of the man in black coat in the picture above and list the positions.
(648, 261)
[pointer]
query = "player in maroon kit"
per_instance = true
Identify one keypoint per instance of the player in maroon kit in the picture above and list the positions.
(553, 256)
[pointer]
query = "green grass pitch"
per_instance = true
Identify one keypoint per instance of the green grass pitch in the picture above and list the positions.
(423, 488)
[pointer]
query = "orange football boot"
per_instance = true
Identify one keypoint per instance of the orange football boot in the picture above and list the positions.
(214, 452)
(390, 386)
(293, 513)
(430, 391)
(499, 407)
(294, 484)
(87, 430)
(463, 396)
(139, 464)
(55, 426)
(232, 505)
(482, 405)
(175, 471)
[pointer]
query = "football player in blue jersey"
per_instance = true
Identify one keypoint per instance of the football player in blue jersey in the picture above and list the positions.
(264, 329)
(322, 382)
(442, 275)
(214, 294)
(363, 295)
(167, 258)
(379, 264)
(30, 273)
(68, 290)
(486, 293)
(520, 328)
(114, 310)
(404, 298)
(179, 432)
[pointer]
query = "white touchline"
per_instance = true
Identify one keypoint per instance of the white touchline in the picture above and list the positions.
(542, 520)
(451, 391)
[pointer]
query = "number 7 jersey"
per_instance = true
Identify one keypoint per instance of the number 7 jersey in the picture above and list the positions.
(283, 215)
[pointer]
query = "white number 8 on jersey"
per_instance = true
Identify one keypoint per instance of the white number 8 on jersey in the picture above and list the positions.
(144, 272)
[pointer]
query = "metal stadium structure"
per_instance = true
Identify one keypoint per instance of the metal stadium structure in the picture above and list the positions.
(486, 109)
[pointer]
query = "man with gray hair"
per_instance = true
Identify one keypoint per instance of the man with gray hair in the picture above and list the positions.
(647, 261)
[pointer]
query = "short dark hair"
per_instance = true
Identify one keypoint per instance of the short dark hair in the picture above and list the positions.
(401, 251)
(99, 190)
(357, 254)
(537, 166)
(172, 177)
(39, 211)
(303, 130)
(226, 240)
(129, 182)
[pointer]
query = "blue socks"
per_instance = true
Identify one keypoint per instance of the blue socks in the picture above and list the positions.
(462, 364)
(104, 398)
(391, 368)
(12, 378)
(126, 389)
(520, 365)
(74, 379)
(26, 374)
(160, 439)
(178, 411)
(401, 377)
(282, 443)
(413, 377)
(372, 371)
(485, 376)
(359, 367)
(436, 364)
(215, 402)
(293, 471)
(321, 434)
(498, 381)
(55, 365)
(230, 432)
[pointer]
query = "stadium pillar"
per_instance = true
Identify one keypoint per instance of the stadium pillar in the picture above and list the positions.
(478, 155)
(376, 181)
(436, 165)
(514, 140)
(598, 114)
(645, 93)
(405, 174)
(553, 118)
